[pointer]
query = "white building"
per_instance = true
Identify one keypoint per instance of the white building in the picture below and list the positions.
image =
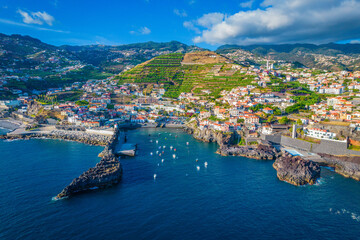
(319, 133)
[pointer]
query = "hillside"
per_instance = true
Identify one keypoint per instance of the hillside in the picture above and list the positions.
(40, 66)
(190, 72)
(18, 51)
(330, 56)
(118, 58)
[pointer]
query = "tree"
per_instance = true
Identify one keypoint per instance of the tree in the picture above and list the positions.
(82, 103)
(270, 119)
(240, 120)
(284, 120)
(299, 122)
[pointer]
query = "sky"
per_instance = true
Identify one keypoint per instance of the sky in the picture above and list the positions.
(205, 23)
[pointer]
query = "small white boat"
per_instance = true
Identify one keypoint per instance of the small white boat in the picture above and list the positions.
(162, 160)
(171, 147)
(154, 176)
(151, 153)
(174, 156)
(205, 164)
(198, 168)
(157, 152)
(187, 143)
(157, 141)
(164, 146)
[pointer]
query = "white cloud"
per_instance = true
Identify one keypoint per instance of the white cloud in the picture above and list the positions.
(248, 4)
(36, 17)
(210, 19)
(145, 31)
(189, 25)
(180, 13)
(9, 22)
(141, 31)
(283, 21)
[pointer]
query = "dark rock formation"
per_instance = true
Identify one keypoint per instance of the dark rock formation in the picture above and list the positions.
(105, 174)
(261, 152)
(348, 166)
(87, 138)
(295, 170)
(209, 135)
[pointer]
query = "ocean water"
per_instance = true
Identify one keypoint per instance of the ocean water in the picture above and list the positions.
(231, 198)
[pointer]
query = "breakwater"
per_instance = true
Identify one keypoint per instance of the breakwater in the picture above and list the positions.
(106, 173)
(78, 136)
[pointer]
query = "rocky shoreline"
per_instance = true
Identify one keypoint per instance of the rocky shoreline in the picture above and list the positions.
(260, 152)
(106, 173)
(208, 135)
(295, 170)
(77, 136)
(347, 166)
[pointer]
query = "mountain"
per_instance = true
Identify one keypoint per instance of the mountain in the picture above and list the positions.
(17, 51)
(191, 72)
(118, 58)
(329, 56)
(327, 49)
(40, 65)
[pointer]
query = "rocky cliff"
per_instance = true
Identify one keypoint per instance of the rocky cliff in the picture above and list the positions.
(106, 173)
(209, 135)
(261, 152)
(348, 166)
(295, 170)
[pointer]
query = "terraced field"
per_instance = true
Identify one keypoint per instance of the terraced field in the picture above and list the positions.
(212, 72)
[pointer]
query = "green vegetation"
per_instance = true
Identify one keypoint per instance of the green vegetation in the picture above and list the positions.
(82, 103)
(47, 99)
(355, 148)
(284, 120)
(177, 78)
(68, 96)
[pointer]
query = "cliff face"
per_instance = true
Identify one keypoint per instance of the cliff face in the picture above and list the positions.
(209, 135)
(33, 108)
(260, 152)
(348, 166)
(295, 170)
(106, 173)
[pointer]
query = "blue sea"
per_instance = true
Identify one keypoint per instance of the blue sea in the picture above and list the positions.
(231, 198)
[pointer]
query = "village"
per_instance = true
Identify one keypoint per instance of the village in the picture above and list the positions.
(277, 100)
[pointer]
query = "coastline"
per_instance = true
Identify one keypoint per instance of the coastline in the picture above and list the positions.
(106, 173)
(298, 169)
(87, 138)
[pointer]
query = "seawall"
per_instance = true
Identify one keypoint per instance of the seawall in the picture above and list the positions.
(106, 173)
